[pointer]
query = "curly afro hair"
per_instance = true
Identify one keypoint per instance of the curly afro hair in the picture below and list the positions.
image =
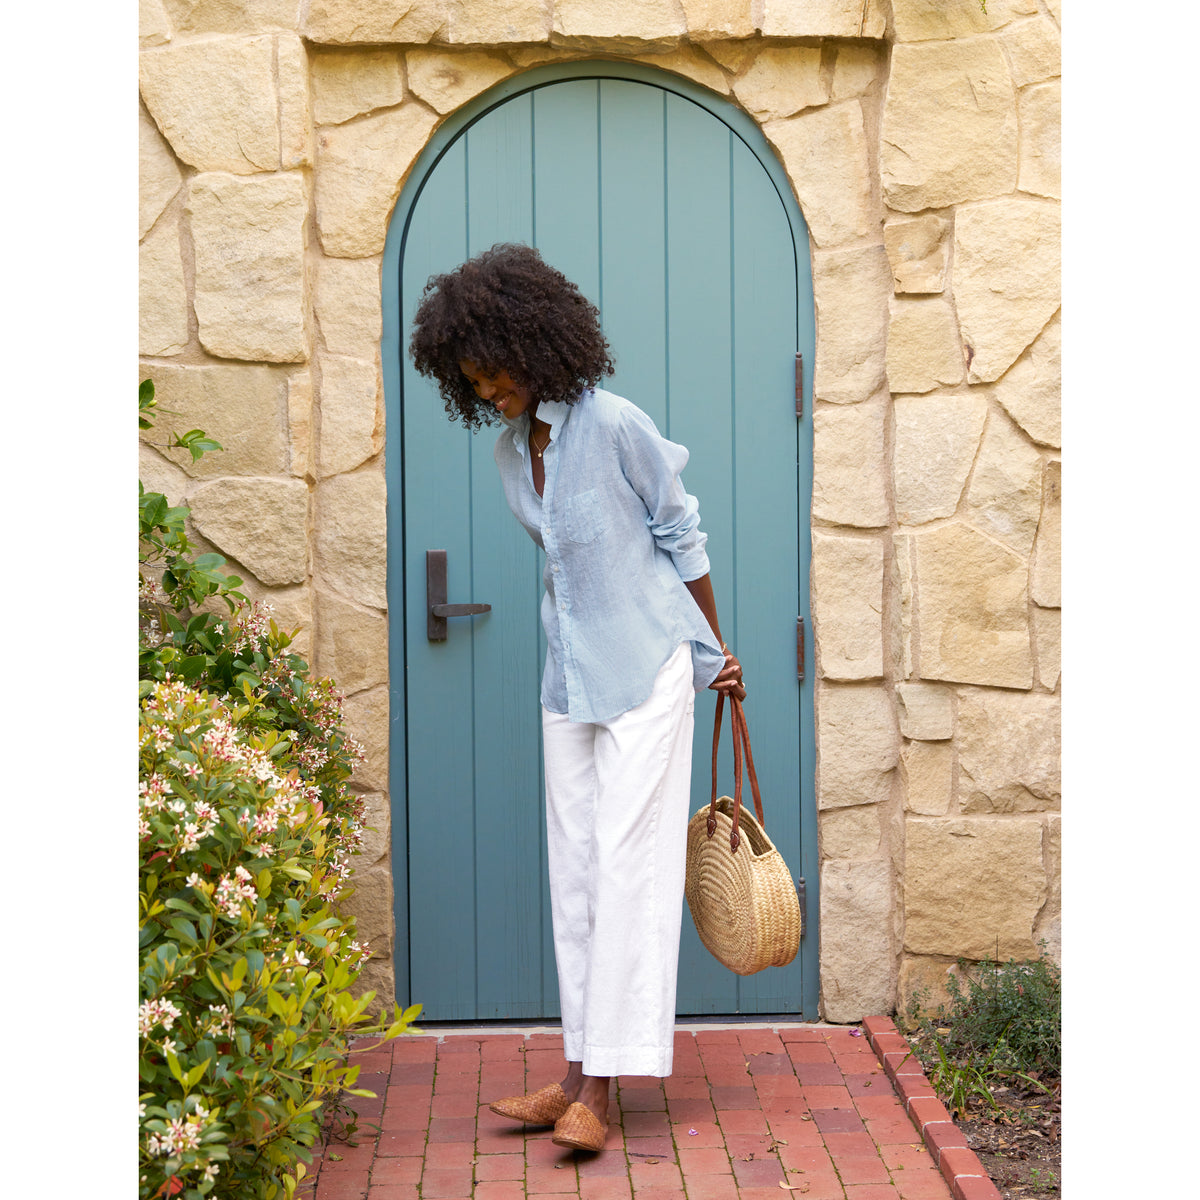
(508, 310)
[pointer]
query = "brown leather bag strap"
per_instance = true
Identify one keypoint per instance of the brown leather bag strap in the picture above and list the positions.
(741, 736)
(739, 714)
(712, 808)
(734, 837)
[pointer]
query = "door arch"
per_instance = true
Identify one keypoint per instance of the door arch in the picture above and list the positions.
(664, 203)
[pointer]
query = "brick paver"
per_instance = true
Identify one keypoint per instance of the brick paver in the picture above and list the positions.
(833, 1112)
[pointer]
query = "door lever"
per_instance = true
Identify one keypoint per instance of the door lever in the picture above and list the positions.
(435, 598)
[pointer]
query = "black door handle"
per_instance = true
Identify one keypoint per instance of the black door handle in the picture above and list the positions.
(435, 598)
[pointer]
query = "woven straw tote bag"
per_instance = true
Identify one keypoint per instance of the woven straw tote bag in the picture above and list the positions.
(740, 891)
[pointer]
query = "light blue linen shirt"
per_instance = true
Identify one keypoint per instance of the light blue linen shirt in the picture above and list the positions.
(621, 536)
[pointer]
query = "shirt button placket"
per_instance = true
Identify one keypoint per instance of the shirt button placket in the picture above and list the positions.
(562, 593)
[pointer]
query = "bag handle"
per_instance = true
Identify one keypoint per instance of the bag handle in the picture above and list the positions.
(741, 738)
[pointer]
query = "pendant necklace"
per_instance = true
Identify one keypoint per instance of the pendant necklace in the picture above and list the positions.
(534, 444)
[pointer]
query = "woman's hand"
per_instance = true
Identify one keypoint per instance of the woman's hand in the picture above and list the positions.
(729, 678)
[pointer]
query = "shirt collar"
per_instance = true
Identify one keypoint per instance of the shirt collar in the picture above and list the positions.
(554, 412)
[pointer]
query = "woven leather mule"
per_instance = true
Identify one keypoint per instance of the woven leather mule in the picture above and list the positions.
(543, 1107)
(580, 1129)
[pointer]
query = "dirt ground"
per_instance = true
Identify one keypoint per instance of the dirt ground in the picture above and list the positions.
(1019, 1145)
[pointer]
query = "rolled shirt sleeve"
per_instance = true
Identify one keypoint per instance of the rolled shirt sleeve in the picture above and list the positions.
(653, 466)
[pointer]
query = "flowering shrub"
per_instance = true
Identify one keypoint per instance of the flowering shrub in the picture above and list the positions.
(245, 830)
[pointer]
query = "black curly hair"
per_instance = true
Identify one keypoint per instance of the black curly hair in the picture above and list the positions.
(508, 310)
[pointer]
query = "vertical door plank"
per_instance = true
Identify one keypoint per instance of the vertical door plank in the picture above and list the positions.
(437, 513)
(764, 437)
(700, 358)
(632, 241)
(566, 190)
(499, 179)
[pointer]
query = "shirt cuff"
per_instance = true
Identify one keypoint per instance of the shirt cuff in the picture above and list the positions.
(691, 564)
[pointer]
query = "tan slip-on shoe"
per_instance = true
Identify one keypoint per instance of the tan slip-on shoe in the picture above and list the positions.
(543, 1107)
(580, 1129)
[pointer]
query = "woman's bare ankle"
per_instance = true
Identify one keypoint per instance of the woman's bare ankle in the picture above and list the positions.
(570, 1084)
(590, 1090)
(593, 1094)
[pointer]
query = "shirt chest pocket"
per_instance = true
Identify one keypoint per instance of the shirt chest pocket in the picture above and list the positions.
(585, 518)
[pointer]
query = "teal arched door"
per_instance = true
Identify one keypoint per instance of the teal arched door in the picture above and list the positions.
(662, 202)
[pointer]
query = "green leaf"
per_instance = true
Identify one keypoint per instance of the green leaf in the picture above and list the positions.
(153, 509)
(192, 667)
(238, 974)
(193, 1076)
(196, 442)
(185, 928)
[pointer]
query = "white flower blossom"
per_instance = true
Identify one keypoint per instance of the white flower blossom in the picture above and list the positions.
(182, 1135)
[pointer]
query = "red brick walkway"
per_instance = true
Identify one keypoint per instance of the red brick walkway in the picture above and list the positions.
(748, 1109)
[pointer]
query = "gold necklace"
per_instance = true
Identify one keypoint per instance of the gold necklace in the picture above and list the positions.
(535, 445)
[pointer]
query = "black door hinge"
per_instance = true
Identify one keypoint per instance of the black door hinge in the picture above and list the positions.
(800, 649)
(802, 896)
(799, 385)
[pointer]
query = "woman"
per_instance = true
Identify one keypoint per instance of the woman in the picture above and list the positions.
(632, 633)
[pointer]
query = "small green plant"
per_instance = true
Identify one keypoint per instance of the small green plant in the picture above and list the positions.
(1013, 1008)
(915, 1012)
(959, 1081)
(1002, 1025)
(956, 1083)
(1047, 1180)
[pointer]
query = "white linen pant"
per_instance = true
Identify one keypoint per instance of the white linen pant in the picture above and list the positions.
(617, 800)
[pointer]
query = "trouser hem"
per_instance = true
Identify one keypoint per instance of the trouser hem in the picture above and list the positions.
(628, 1060)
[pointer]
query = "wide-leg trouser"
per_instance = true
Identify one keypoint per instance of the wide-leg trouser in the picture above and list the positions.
(617, 800)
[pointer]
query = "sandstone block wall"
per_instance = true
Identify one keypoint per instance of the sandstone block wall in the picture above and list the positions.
(921, 138)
